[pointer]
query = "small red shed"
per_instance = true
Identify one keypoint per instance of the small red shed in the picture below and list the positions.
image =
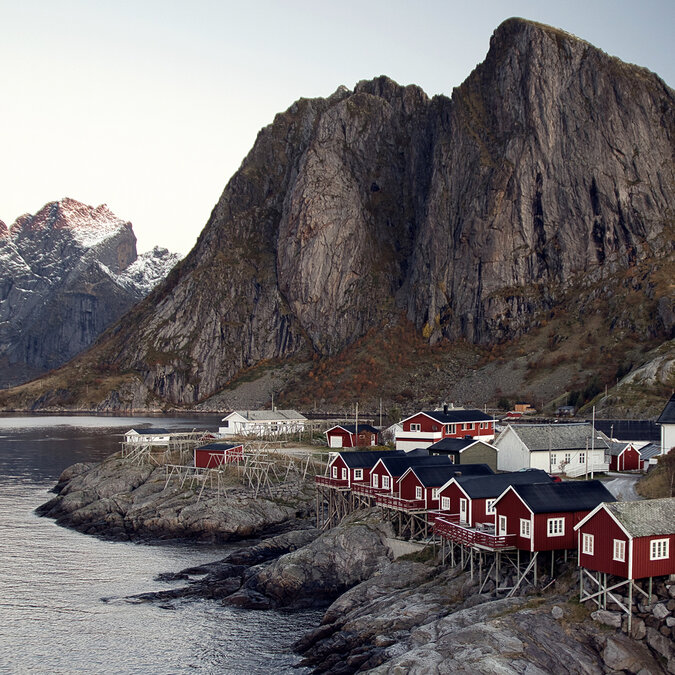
(623, 456)
(214, 454)
(352, 436)
(542, 516)
(388, 470)
(632, 540)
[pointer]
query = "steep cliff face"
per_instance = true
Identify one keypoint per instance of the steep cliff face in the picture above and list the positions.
(66, 273)
(550, 169)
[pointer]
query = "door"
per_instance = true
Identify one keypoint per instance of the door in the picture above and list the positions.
(462, 510)
(336, 441)
(502, 526)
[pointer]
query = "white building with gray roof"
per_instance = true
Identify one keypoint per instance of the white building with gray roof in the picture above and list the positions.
(262, 423)
(570, 449)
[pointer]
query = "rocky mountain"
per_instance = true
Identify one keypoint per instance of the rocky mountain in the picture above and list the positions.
(545, 182)
(67, 273)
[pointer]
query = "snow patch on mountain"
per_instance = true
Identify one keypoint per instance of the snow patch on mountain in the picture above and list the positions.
(149, 269)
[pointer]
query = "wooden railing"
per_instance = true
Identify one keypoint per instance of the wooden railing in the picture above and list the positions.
(392, 502)
(331, 482)
(472, 537)
(433, 515)
(367, 490)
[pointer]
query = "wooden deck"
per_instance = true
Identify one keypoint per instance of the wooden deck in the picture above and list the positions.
(341, 483)
(469, 536)
(398, 504)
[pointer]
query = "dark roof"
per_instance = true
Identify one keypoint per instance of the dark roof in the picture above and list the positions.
(219, 446)
(435, 476)
(397, 466)
(351, 428)
(565, 496)
(647, 517)
(668, 414)
(480, 487)
(453, 416)
(367, 458)
(650, 450)
(617, 447)
(153, 431)
(452, 444)
(629, 430)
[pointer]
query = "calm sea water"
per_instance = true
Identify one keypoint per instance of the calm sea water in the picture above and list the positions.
(53, 581)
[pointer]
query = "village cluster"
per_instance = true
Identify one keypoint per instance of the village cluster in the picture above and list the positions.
(489, 496)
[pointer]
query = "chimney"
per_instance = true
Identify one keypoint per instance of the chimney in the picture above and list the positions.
(445, 408)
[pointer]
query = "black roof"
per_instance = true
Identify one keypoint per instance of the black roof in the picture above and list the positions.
(219, 446)
(435, 476)
(351, 428)
(668, 414)
(397, 465)
(452, 444)
(565, 496)
(629, 430)
(480, 487)
(367, 458)
(453, 415)
(650, 450)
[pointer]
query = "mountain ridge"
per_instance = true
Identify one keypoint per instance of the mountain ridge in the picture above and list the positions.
(549, 172)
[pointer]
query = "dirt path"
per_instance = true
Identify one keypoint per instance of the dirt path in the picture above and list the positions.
(622, 486)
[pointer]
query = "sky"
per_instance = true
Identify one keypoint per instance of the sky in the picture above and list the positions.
(150, 106)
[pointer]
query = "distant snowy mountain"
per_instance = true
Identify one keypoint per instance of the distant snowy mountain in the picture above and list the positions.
(67, 273)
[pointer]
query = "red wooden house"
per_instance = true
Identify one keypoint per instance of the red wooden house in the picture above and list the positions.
(428, 427)
(352, 436)
(542, 516)
(386, 473)
(420, 484)
(623, 456)
(471, 498)
(632, 540)
(213, 455)
(347, 468)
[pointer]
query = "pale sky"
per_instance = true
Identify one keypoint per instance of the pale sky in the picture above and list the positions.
(150, 106)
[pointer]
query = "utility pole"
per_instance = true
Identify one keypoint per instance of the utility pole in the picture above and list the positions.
(593, 441)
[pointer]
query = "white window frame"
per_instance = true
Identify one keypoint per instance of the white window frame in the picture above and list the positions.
(445, 503)
(344, 473)
(335, 472)
(482, 425)
(464, 509)
(418, 492)
(588, 544)
(490, 507)
(502, 525)
(659, 549)
(525, 529)
(568, 457)
(434, 493)
(554, 459)
(582, 457)
(619, 550)
(358, 474)
(375, 480)
(414, 426)
(386, 482)
(450, 428)
(555, 527)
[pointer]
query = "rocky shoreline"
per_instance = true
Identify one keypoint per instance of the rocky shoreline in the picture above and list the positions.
(384, 615)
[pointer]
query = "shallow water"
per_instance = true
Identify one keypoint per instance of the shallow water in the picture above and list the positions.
(53, 581)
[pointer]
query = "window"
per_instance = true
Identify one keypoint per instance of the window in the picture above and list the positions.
(358, 474)
(620, 550)
(434, 493)
(556, 527)
(568, 457)
(658, 549)
(445, 503)
(525, 527)
(385, 482)
(582, 458)
(482, 425)
(490, 507)
(469, 426)
(415, 427)
(335, 472)
(554, 459)
(226, 423)
(375, 480)
(587, 541)
(450, 428)
(344, 474)
(418, 492)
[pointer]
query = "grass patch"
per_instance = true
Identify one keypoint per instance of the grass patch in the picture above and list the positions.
(426, 555)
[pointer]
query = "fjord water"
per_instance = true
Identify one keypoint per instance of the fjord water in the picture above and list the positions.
(62, 607)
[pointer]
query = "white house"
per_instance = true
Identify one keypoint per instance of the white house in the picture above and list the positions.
(572, 449)
(667, 422)
(152, 436)
(262, 423)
